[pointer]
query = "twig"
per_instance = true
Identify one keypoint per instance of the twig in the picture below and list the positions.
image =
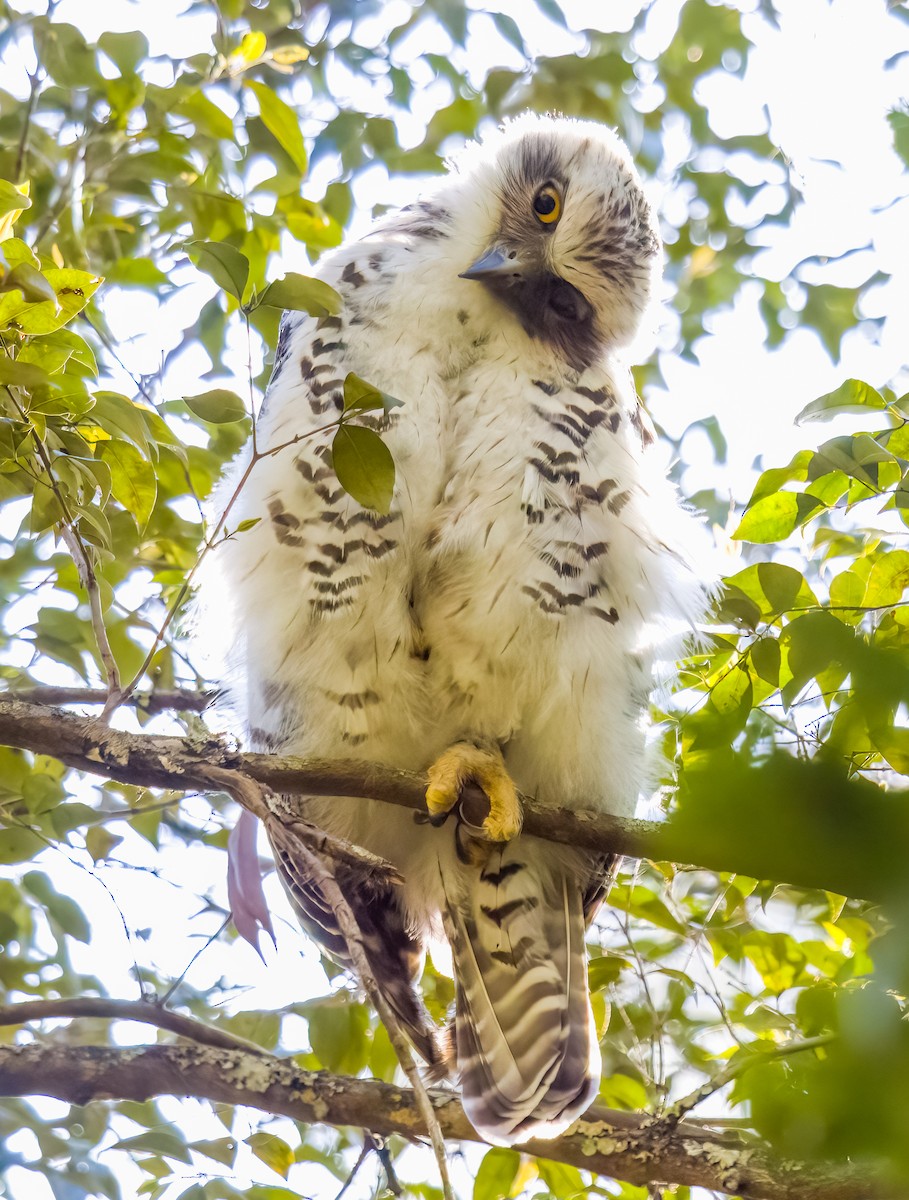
(208, 545)
(179, 699)
(322, 876)
(69, 531)
(682, 1107)
(34, 82)
(125, 1010)
(368, 1148)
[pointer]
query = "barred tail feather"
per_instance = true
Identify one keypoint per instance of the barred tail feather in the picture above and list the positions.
(527, 1051)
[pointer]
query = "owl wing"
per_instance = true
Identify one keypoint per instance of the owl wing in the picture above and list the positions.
(312, 553)
(395, 956)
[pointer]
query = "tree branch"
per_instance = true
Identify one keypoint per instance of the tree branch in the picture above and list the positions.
(210, 764)
(151, 702)
(621, 1145)
(125, 1010)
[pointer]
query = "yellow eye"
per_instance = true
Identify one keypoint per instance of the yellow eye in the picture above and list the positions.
(547, 204)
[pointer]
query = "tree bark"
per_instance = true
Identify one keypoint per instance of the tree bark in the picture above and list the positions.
(190, 764)
(639, 1149)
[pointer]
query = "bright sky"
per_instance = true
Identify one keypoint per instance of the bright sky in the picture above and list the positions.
(821, 80)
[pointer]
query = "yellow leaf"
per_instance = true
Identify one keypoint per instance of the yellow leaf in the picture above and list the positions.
(286, 56)
(252, 47)
(9, 218)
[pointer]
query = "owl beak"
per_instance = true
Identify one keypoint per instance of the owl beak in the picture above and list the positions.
(499, 263)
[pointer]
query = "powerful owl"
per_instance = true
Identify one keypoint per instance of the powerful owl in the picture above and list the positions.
(500, 624)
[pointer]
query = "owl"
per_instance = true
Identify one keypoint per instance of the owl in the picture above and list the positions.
(500, 625)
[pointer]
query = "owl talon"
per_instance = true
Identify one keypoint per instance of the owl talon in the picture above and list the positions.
(463, 763)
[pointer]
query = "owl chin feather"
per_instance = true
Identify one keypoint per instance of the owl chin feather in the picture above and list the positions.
(532, 568)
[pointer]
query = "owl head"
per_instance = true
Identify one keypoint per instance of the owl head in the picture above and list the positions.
(561, 232)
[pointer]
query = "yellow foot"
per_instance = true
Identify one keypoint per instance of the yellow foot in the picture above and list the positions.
(464, 763)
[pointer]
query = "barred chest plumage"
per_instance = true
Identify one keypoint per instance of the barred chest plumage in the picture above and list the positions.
(519, 551)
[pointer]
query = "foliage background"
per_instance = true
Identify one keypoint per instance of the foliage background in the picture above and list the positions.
(136, 161)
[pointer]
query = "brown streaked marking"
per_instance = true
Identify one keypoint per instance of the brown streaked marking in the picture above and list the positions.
(351, 275)
(502, 912)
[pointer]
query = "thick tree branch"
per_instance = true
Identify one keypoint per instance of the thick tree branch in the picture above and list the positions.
(210, 764)
(638, 1149)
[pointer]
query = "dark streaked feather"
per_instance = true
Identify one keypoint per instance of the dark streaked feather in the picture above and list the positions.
(394, 954)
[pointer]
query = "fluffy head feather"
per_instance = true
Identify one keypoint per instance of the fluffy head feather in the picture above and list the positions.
(582, 281)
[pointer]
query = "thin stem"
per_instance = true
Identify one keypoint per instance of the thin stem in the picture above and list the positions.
(209, 941)
(69, 531)
(734, 1070)
(209, 544)
(319, 873)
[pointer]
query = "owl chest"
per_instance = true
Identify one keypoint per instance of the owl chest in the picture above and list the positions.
(535, 512)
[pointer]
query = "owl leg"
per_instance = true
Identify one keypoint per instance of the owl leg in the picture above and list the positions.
(463, 763)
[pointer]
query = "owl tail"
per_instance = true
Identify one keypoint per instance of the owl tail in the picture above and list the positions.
(526, 1046)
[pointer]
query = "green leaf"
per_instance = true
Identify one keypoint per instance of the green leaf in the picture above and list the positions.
(281, 122)
(60, 349)
(765, 658)
(815, 641)
(893, 744)
(256, 1025)
(18, 844)
(127, 50)
(99, 841)
(364, 466)
(605, 970)
(888, 579)
(360, 396)
(508, 28)
(732, 693)
(853, 396)
(22, 374)
(60, 909)
(302, 294)
(310, 223)
(847, 590)
(72, 291)
(899, 123)
(156, 1141)
(218, 407)
(206, 116)
(247, 523)
(119, 417)
(226, 265)
(222, 1150)
(564, 1182)
(11, 199)
(16, 251)
(496, 1174)
(775, 517)
(337, 1034)
(31, 283)
(273, 1151)
(133, 482)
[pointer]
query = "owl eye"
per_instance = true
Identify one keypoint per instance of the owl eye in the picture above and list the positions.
(547, 204)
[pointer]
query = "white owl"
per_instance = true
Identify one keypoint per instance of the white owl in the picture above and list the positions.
(500, 624)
